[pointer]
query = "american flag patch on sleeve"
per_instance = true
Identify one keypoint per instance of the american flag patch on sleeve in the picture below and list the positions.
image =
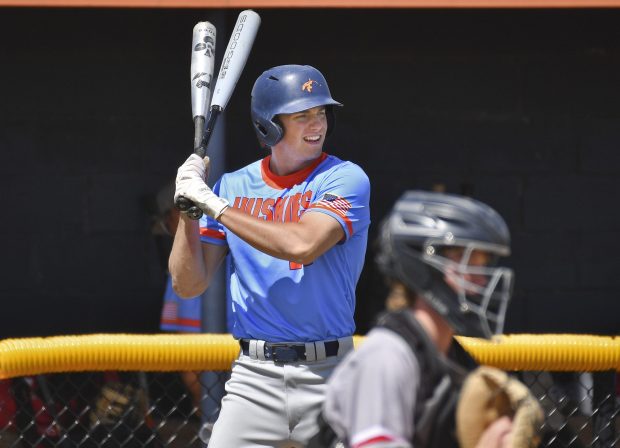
(170, 312)
(339, 204)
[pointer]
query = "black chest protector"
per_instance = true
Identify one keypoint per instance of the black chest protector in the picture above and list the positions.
(440, 382)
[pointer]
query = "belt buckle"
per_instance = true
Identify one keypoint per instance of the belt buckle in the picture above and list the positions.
(284, 354)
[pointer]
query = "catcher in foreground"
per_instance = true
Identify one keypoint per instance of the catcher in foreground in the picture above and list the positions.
(400, 389)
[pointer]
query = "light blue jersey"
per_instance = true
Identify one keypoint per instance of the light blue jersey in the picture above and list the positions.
(277, 300)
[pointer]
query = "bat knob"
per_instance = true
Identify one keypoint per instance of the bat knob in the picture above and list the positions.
(194, 212)
(183, 204)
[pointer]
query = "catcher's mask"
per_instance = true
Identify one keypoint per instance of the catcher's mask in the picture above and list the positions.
(415, 239)
(287, 89)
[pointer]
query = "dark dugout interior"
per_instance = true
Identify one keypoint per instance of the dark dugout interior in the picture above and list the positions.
(517, 108)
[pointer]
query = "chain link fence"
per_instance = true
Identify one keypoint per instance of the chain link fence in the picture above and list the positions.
(107, 409)
(155, 409)
(582, 409)
(134, 390)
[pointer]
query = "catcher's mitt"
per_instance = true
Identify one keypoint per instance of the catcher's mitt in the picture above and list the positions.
(488, 394)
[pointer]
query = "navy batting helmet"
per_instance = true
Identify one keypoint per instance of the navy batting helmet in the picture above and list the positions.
(414, 236)
(287, 89)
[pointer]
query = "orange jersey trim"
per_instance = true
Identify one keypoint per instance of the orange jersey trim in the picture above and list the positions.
(346, 220)
(290, 180)
(212, 234)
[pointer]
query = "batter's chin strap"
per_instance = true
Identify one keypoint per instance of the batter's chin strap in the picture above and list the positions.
(325, 437)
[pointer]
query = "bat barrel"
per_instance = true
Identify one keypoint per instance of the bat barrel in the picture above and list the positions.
(235, 56)
(202, 67)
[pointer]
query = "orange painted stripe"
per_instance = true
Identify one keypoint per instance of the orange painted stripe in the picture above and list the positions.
(346, 220)
(212, 233)
(211, 4)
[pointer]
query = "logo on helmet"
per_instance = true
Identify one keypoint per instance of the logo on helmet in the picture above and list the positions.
(307, 86)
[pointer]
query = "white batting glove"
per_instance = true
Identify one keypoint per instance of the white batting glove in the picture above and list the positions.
(190, 183)
(194, 167)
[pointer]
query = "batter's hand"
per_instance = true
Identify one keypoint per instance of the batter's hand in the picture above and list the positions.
(190, 183)
(194, 167)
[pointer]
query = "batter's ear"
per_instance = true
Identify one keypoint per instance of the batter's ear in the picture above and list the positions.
(331, 119)
(279, 126)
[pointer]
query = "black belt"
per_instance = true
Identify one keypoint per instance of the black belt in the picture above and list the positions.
(282, 352)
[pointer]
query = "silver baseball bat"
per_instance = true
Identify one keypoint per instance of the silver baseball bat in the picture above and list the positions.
(233, 62)
(201, 75)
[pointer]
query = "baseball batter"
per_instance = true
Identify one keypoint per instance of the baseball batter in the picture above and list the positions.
(293, 230)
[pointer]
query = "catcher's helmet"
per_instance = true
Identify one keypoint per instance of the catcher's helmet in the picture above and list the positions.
(284, 90)
(413, 237)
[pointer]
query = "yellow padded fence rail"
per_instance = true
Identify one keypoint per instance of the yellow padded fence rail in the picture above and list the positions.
(546, 352)
(124, 352)
(176, 352)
